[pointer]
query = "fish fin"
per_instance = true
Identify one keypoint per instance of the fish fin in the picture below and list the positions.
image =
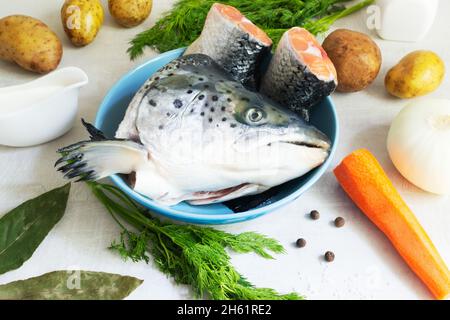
(150, 182)
(93, 160)
(94, 133)
(203, 198)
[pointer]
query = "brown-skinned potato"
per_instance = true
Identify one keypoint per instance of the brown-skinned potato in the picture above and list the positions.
(82, 20)
(29, 43)
(130, 13)
(356, 57)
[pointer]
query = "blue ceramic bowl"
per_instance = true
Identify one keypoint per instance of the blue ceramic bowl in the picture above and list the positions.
(111, 113)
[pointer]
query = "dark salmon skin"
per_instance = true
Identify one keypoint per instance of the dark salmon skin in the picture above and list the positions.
(234, 42)
(300, 73)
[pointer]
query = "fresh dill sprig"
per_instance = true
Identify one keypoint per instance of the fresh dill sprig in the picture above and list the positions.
(184, 23)
(132, 246)
(192, 255)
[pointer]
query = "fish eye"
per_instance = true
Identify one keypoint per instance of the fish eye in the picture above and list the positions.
(255, 114)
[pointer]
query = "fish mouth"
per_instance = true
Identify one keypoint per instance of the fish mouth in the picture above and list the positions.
(305, 144)
(311, 139)
(323, 145)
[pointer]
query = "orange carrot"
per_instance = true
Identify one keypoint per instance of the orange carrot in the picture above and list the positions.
(363, 179)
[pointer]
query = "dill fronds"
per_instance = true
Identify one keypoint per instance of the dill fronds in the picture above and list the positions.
(192, 255)
(184, 23)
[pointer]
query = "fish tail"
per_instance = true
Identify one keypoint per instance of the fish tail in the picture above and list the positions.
(99, 157)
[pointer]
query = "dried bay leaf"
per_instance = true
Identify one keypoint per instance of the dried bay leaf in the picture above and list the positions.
(71, 285)
(24, 228)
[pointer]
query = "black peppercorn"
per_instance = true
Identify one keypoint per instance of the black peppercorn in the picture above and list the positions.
(315, 215)
(339, 222)
(329, 256)
(300, 243)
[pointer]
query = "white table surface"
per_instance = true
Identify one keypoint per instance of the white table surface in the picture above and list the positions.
(366, 265)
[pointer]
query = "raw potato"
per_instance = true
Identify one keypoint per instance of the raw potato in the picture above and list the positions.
(417, 74)
(356, 57)
(29, 43)
(82, 20)
(130, 13)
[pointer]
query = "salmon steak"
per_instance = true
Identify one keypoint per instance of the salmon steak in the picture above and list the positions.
(300, 73)
(234, 42)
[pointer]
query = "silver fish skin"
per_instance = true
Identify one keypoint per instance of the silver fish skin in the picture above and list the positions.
(300, 74)
(192, 133)
(234, 42)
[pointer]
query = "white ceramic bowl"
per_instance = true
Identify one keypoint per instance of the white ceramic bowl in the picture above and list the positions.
(41, 110)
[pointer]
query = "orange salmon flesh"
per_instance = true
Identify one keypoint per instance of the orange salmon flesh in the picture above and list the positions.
(236, 17)
(308, 50)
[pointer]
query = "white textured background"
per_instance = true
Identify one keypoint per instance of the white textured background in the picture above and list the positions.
(366, 266)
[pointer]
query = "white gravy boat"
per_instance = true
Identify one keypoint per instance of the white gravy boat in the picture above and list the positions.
(41, 110)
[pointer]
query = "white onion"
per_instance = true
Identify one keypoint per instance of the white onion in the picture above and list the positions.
(419, 144)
